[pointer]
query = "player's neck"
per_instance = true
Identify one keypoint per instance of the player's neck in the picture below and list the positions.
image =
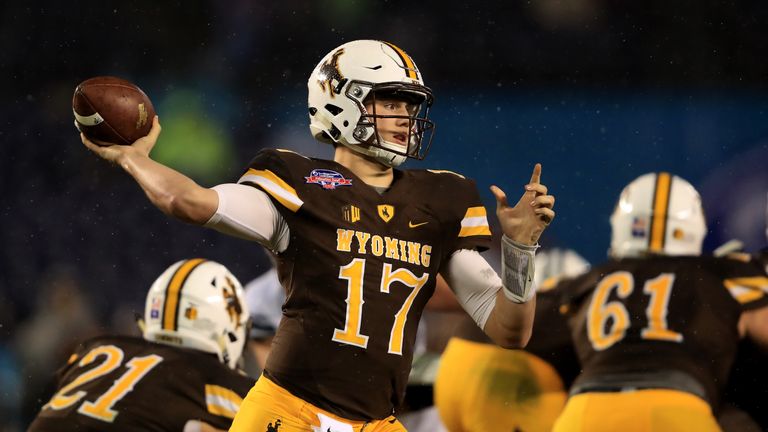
(368, 170)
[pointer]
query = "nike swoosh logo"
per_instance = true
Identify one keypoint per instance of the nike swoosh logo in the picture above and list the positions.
(413, 225)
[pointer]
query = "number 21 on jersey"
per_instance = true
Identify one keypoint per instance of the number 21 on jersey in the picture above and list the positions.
(101, 408)
(623, 283)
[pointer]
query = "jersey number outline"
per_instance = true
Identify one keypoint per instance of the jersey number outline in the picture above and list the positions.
(101, 408)
(353, 274)
(601, 310)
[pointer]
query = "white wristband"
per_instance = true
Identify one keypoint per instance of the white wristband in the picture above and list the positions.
(517, 269)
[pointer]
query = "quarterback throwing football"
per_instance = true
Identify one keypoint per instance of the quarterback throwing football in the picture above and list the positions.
(358, 243)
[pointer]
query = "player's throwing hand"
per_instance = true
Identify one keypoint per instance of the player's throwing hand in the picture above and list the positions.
(112, 152)
(525, 222)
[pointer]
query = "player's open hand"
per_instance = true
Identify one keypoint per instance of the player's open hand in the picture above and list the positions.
(525, 222)
(114, 152)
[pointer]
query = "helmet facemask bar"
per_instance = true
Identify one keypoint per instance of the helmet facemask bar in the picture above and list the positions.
(420, 128)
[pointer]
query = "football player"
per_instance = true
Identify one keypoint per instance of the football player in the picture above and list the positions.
(358, 243)
(656, 328)
(512, 390)
(182, 373)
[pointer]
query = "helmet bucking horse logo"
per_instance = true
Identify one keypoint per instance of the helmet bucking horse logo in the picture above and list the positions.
(329, 72)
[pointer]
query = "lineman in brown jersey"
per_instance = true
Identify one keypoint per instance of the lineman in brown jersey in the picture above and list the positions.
(656, 328)
(358, 244)
(181, 373)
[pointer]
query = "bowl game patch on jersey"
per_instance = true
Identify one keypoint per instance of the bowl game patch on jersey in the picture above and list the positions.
(328, 179)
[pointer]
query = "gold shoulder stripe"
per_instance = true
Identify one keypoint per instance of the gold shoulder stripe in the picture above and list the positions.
(222, 401)
(445, 172)
(409, 66)
(173, 291)
(747, 289)
(474, 212)
(660, 207)
(475, 223)
(291, 151)
(275, 186)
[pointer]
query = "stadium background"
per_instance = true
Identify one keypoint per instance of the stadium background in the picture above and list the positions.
(598, 91)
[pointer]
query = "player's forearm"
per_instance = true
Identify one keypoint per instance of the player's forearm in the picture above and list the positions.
(170, 191)
(510, 324)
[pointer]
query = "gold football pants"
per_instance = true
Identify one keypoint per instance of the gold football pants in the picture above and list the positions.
(637, 411)
(271, 408)
(482, 387)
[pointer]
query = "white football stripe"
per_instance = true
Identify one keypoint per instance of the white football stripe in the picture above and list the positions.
(91, 120)
(474, 221)
(222, 402)
(273, 188)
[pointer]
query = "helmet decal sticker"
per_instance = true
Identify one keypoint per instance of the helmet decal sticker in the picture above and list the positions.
(329, 72)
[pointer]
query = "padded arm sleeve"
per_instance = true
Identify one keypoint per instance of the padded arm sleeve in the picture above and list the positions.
(249, 213)
(474, 282)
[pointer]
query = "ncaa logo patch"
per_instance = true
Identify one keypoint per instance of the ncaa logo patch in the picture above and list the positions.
(328, 179)
(639, 227)
(154, 312)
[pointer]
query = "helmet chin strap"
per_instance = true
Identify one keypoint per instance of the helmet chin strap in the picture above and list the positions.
(385, 156)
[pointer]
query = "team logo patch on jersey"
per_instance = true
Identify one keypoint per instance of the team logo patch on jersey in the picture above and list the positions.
(639, 227)
(328, 179)
(386, 212)
(350, 213)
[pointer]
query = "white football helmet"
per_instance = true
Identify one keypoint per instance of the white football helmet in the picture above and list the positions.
(657, 214)
(345, 77)
(198, 304)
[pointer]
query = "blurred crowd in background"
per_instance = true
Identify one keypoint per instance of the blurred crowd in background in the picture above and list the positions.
(598, 91)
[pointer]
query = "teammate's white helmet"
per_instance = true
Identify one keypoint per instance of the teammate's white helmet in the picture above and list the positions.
(342, 81)
(198, 304)
(658, 214)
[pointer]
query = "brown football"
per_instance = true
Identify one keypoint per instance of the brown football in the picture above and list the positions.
(112, 110)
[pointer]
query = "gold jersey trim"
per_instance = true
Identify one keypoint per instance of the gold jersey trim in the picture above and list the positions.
(275, 186)
(747, 289)
(475, 223)
(222, 401)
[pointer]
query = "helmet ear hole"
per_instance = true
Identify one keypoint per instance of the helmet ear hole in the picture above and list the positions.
(335, 133)
(333, 109)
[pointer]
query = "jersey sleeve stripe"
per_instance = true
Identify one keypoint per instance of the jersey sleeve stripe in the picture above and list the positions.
(173, 292)
(222, 401)
(747, 289)
(275, 186)
(475, 223)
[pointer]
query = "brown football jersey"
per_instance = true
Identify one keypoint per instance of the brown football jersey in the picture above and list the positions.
(641, 316)
(550, 338)
(124, 383)
(358, 270)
